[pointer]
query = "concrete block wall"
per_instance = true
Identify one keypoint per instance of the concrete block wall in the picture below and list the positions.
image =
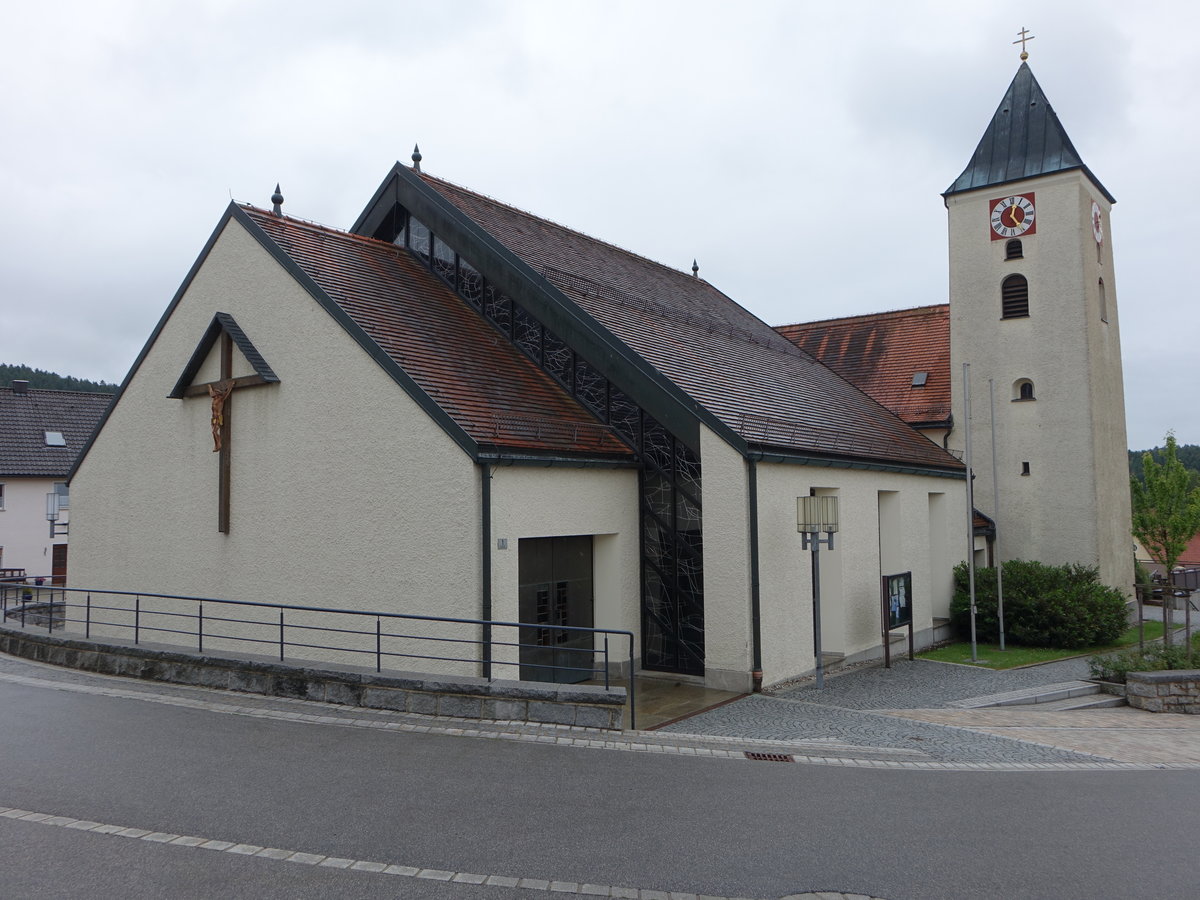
(462, 697)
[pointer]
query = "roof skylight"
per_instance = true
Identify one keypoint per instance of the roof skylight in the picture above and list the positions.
(55, 439)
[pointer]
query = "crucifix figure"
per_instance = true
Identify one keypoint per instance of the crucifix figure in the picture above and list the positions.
(221, 393)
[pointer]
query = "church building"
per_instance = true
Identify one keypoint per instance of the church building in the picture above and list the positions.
(1033, 314)
(457, 408)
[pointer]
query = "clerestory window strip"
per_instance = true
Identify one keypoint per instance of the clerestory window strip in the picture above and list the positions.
(672, 573)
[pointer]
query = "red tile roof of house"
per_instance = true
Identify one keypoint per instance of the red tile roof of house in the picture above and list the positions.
(725, 358)
(881, 353)
(493, 392)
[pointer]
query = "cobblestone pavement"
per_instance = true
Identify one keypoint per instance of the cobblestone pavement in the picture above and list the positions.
(924, 684)
(868, 706)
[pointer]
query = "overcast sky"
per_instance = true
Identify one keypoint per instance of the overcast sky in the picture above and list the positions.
(771, 141)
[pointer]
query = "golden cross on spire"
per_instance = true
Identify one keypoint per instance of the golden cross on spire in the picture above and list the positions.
(1021, 40)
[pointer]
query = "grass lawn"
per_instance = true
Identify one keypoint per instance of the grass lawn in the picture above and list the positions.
(990, 656)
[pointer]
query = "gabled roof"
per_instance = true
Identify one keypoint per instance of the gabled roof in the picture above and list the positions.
(733, 370)
(448, 357)
(1024, 139)
(224, 323)
(26, 417)
(881, 353)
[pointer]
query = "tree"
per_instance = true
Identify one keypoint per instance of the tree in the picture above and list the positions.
(1166, 513)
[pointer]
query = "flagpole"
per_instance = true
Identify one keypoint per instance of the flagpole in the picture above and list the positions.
(970, 506)
(996, 516)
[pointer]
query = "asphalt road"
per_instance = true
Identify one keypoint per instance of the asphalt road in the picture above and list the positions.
(516, 810)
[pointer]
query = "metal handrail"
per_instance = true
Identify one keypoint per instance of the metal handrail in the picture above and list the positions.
(139, 610)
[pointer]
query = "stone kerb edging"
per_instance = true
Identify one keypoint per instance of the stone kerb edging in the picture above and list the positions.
(430, 695)
(1173, 691)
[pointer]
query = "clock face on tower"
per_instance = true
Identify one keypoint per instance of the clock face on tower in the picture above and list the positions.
(1097, 223)
(1012, 217)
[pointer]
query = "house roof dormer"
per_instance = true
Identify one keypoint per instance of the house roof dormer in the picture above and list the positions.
(1024, 139)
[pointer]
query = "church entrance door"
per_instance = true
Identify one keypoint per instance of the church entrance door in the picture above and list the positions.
(555, 589)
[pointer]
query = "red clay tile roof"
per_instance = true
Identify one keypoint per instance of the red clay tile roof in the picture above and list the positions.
(493, 392)
(25, 419)
(724, 357)
(880, 353)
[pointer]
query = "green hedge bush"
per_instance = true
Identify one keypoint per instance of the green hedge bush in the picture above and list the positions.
(1044, 606)
(1155, 658)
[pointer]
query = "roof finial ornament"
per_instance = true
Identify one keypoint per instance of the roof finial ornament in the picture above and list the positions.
(416, 158)
(695, 269)
(1022, 40)
(277, 201)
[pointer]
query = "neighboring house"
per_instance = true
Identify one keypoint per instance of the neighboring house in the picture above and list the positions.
(1189, 559)
(41, 434)
(1033, 311)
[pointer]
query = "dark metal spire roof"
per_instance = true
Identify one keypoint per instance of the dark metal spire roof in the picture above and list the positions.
(1024, 139)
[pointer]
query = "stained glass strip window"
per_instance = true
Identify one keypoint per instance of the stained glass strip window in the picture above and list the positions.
(527, 333)
(592, 388)
(498, 308)
(444, 261)
(558, 358)
(419, 238)
(470, 283)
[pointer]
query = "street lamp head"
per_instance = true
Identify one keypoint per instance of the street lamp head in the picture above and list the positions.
(814, 514)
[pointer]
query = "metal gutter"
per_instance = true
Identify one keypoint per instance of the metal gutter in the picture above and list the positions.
(485, 532)
(837, 463)
(756, 673)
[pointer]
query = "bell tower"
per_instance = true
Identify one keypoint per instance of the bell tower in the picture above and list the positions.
(1033, 310)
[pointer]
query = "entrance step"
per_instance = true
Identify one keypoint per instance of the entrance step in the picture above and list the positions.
(833, 660)
(1040, 695)
(1090, 701)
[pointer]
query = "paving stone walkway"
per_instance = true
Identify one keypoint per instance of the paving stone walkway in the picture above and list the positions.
(912, 706)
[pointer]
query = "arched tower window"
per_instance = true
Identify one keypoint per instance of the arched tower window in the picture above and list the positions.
(1103, 303)
(1023, 389)
(1014, 297)
(1012, 250)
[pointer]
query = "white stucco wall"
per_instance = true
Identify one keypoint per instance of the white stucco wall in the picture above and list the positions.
(344, 493)
(534, 502)
(727, 620)
(24, 531)
(1073, 506)
(850, 574)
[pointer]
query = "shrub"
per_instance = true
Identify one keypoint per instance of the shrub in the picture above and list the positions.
(1044, 606)
(1154, 658)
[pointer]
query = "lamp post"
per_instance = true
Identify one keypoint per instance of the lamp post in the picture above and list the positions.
(813, 516)
(52, 516)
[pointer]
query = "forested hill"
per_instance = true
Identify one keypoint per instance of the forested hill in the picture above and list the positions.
(38, 378)
(1188, 454)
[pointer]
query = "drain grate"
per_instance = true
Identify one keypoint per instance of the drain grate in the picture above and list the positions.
(770, 757)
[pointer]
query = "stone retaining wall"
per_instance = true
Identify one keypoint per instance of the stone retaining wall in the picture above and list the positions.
(429, 695)
(1174, 691)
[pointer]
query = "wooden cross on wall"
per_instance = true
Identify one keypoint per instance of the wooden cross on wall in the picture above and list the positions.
(220, 392)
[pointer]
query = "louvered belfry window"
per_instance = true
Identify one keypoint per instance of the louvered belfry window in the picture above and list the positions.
(1014, 297)
(1013, 250)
